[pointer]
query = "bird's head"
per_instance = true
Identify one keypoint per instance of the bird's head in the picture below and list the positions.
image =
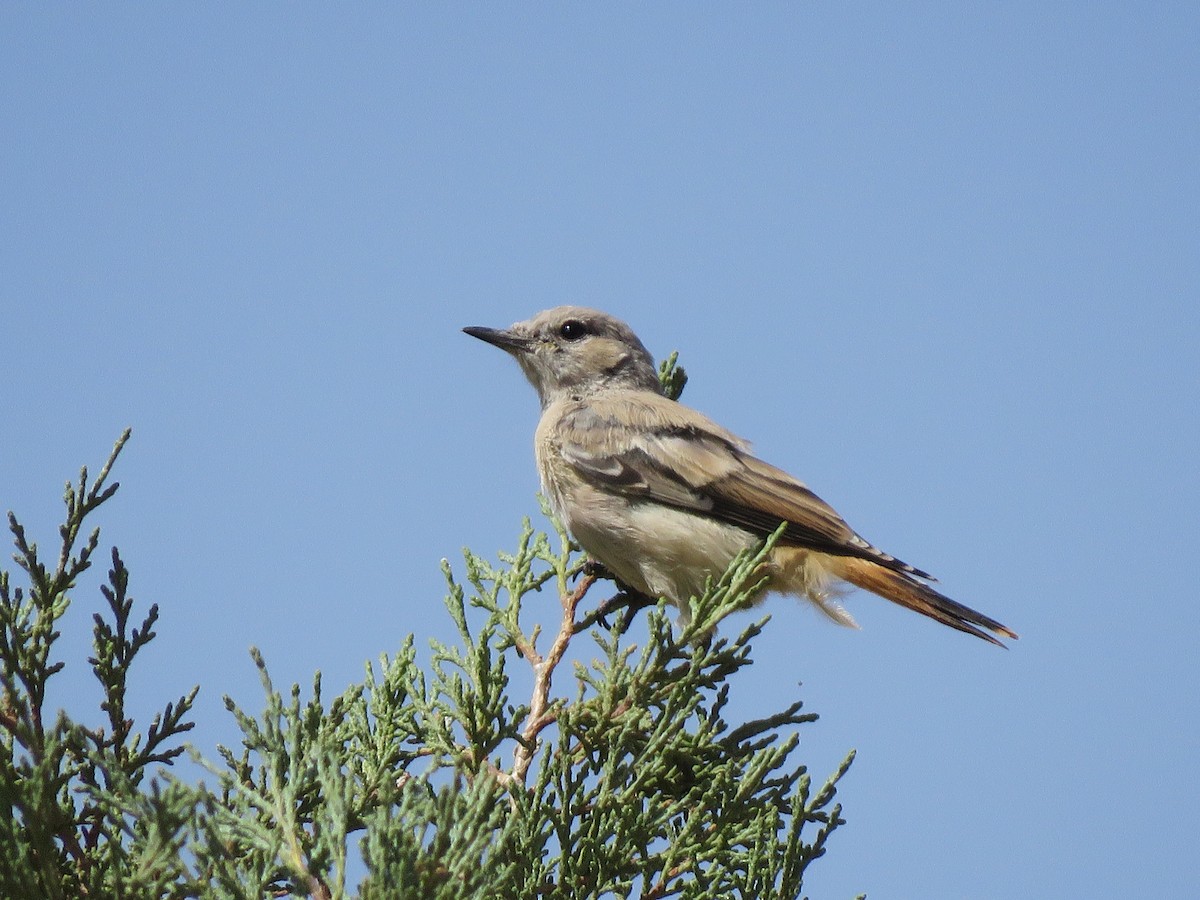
(575, 351)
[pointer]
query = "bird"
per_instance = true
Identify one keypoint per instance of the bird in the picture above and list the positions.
(665, 498)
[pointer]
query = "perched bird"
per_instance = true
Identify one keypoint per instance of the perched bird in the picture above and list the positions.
(664, 497)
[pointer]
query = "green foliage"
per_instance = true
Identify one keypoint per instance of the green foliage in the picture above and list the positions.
(672, 376)
(80, 821)
(616, 775)
(634, 785)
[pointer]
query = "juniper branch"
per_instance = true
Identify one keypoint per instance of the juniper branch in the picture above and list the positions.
(539, 717)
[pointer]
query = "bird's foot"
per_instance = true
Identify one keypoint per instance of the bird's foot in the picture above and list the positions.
(595, 569)
(629, 600)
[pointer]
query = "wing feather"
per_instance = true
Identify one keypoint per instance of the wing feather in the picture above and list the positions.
(654, 448)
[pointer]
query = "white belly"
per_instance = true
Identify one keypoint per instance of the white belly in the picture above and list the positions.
(655, 549)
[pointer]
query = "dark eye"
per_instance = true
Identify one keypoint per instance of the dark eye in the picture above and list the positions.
(573, 329)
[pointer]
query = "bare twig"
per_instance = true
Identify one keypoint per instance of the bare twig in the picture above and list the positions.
(318, 889)
(629, 600)
(468, 756)
(539, 716)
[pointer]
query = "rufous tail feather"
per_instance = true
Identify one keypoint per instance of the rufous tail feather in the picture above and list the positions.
(913, 594)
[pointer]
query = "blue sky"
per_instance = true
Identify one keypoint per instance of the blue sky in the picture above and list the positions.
(942, 261)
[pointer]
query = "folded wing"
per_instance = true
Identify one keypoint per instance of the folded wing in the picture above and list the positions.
(654, 448)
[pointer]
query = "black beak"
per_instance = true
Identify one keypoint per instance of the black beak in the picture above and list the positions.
(498, 337)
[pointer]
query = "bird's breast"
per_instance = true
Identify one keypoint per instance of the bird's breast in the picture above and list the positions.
(653, 548)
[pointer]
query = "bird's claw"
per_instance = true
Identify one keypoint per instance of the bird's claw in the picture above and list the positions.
(596, 569)
(631, 601)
